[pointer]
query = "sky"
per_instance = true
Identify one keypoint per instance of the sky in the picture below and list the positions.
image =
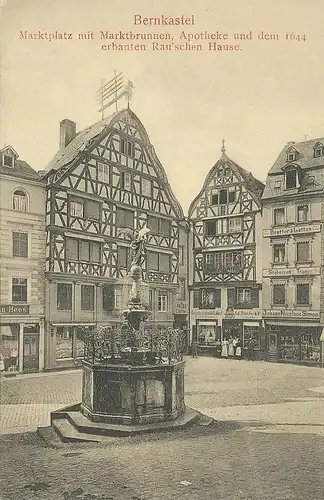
(257, 98)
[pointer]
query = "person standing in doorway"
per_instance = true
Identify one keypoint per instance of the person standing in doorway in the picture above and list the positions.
(224, 353)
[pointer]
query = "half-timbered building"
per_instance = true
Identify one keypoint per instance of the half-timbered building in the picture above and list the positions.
(225, 274)
(105, 183)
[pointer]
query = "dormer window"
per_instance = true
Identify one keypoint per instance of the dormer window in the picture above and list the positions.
(291, 178)
(292, 154)
(8, 161)
(318, 150)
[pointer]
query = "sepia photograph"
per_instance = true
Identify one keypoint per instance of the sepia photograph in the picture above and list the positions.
(161, 250)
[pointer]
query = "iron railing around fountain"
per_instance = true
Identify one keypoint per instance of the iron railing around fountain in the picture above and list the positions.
(106, 345)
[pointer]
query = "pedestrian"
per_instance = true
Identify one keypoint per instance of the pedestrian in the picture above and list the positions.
(235, 342)
(238, 350)
(224, 353)
(251, 350)
(194, 349)
(231, 347)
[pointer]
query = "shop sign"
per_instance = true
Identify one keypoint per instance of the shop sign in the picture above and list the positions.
(244, 314)
(11, 309)
(290, 313)
(205, 313)
(286, 231)
(295, 271)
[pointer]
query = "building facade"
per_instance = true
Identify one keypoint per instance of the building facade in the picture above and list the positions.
(293, 253)
(225, 265)
(103, 185)
(22, 254)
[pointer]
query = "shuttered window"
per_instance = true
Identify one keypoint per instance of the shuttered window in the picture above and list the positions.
(124, 218)
(64, 296)
(108, 298)
(19, 244)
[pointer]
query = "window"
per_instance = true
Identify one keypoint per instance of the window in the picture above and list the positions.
(146, 187)
(214, 199)
(223, 261)
(76, 208)
(83, 250)
(302, 294)
(181, 255)
(127, 147)
(130, 148)
(162, 302)
(64, 296)
(88, 209)
(211, 227)
(123, 145)
(158, 262)
(291, 156)
(223, 197)
(124, 218)
(19, 201)
(123, 257)
(235, 225)
(118, 298)
(182, 289)
(302, 213)
(7, 160)
(210, 298)
(159, 226)
(291, 179)
(302, 248)
(209, 260)
(126, 181)
(231, 196)
(20, 244)
(279, 216)
(243, 296)
(103, 172)
(279, 253)
(232, 261)
(279, 295)
(87, 297)
(108, 297)
(64, 343)
(19, 290)
(319, 151)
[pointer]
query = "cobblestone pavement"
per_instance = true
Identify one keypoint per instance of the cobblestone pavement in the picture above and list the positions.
(267, 444)
(211, 385)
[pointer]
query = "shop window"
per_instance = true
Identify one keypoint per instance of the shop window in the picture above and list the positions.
(9, 338)
(108, 297)
(103, 173)
(64, 296)
(278, 216)
(279, 253)
(146, 187)
(19, 200)
(64, 343)
(279, 295)
(19, 290)
(79, 344)
(87, 297)
(207, 333)
(126, 181)
(302, 250)
(159, 226)
(302, 213)
(302, 294)
(124, 218)
(19, 244)
(182, 289)
(211, 227)
(251, 336)
(123, 257)
(235, 225)
(162, 302)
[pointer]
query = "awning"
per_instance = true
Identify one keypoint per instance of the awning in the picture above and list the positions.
(73, 324)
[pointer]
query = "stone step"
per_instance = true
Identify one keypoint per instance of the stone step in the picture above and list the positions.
(83, 425)
(68, 433)
(50, 437)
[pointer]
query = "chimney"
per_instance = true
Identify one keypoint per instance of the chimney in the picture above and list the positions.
(67, 132)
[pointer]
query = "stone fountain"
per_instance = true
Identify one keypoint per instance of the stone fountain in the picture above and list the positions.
(133, 380)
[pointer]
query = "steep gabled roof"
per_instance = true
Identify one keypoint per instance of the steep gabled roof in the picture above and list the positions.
(21, 170)
(305, 158)
(255, 186)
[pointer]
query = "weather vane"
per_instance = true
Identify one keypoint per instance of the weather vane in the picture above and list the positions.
(112, 91)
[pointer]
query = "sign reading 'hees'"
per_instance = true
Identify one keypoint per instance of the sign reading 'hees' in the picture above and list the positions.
(10, 309)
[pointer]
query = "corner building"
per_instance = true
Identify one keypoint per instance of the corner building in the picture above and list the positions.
(293, 253)
(104, 183)
(225, 266)
(22, 253)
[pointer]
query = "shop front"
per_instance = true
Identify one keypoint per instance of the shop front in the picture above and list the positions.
(21, 341)
(294, 342)
(208, 337)
(65, 345)
(248, 334)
